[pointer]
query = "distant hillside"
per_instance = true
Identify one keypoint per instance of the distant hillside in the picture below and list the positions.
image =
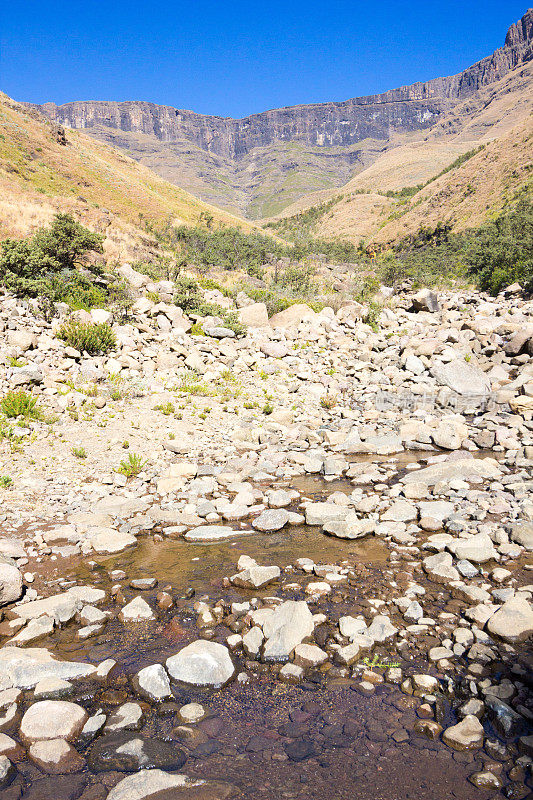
(499, 120)
(259, 165)
(44, 169)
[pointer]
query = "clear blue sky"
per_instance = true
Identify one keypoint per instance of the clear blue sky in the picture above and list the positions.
(237, 58)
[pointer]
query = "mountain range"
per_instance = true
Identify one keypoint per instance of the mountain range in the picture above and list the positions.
(258, 166)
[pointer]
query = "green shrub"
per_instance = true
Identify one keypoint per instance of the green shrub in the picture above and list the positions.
(92, 338)
(189, 298)
(48, 260)
(20, 404)
(131, 466)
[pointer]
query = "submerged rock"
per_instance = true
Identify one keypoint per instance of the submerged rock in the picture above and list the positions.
(129, 752)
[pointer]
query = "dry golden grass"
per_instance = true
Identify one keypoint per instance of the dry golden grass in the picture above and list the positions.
(102, 187)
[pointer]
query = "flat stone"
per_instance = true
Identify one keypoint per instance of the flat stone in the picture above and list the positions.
(462, 377)
(60, 607)
(157, 785)
(110, 540)
(52, 688)
(440, 568)
(56, 756)
(460, 469)
(321, 513)
(381, 629)
(211, 533)
(202, 663)
(271, 520)
(466, 735)
(24, 668)
(522, 534)
(126, 717)
(351, 527)
(191, 713)
(10, 584)
(309, 655)
(478, 548)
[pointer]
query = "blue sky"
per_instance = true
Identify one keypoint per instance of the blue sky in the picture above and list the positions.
(238, 58)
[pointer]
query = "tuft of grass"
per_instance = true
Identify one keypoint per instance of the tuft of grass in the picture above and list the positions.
(268, 408)
(131, 466)
(328, 402)
(166, 408)
(79, 452)
(5, 481)
(20, 404)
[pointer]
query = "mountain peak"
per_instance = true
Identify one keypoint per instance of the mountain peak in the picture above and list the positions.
(521, 31)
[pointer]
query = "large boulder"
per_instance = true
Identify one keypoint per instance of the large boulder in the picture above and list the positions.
(254, 315)
(426, 300)
(292, 316)
(10, 583)
(288, 625)
(202, 663)
(462, 377)
(461, 469)
(513, 622)
(53, 719)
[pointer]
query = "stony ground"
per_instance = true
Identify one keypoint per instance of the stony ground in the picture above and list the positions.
(413, 437)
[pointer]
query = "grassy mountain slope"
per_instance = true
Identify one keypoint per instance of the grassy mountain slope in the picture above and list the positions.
(42, 173)
(499, 118)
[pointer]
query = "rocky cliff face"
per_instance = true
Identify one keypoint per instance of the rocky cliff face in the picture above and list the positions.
(317, 126)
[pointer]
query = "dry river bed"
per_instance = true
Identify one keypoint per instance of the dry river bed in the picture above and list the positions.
(371, 728)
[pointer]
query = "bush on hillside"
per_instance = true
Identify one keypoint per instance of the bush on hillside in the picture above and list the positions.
(92, 338)
(501, 252)
(47, 262)
(190, 299)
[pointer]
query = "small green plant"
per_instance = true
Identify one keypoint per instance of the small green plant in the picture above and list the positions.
(125, 444)
(131, 466)
(166, 408)
(17, 362)
(79, 452)
(328, 402)
(5, 481)
(197, 330)
(263, 375)
(92, 338)
(20, 404)
(268, 408)
(116, 394)
(376, 663)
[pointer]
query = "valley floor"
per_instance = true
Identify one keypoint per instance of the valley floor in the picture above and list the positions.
(294, 563)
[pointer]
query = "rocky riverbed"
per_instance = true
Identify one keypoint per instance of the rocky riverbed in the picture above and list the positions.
(313, 575)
